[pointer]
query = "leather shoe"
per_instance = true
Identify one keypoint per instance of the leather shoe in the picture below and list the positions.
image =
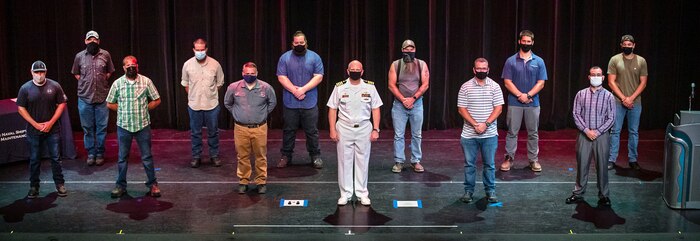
(262, 189)
(611, 165)
(635, 166)
(242, 188)
(216, 161)
(574, 199)
(604, 201)
(284, 160)
(195, 162)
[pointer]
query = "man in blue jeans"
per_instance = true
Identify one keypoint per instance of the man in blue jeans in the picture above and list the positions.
(132, 96)
(92, 68)
(300, 71)
(202, 76)
(479, 102)
(409, 79)
(40, 102)
(627, 77)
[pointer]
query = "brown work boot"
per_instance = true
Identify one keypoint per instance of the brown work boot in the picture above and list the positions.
(155, 191)
(507, 163)
(283, 162)
(417, 167)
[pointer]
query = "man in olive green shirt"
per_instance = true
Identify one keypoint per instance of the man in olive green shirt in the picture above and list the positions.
(627, 77)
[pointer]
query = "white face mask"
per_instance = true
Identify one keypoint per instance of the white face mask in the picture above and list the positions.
(596, 80)
(200, 55)
(38, 79)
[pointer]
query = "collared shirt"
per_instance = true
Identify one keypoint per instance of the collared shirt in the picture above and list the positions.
(299, 70)
(594, 110)
(250, 106)
(203, 81)
(524, 74)
(93, 84)
(628, 72)
(480, 102)
(354, 102)
(132, 98)
(41, 102)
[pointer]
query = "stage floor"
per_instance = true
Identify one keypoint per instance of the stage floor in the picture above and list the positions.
(203, 203)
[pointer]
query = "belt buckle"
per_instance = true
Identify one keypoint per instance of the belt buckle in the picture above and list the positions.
(356, 125)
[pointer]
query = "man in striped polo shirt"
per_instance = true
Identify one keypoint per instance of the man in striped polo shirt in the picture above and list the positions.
(479, 102)
(132, 96)
(594, 115)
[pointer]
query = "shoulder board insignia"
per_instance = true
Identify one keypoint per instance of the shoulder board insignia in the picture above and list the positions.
(369, 82)
(339, 83)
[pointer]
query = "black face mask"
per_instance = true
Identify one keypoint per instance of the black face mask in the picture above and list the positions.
(131, 72)
(482, 75)
(408, 57)
(355, 75)
(525, 47)
(300, 50)
(627, 50)
(93, 48)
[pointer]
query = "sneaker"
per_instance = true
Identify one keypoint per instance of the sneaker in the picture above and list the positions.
(118, 191)
(195, 162)
(284, 160)
(216, 161)
(364, 201)
(604, 201)
(507, 163)
(318, 163)
(611, 165)
(61, 190)
(635, 166)
(535, 166)
(262, 189)
(397, 167)
(491, 197)
(242, 188)
(33, 192)
(99, 160)
(467, 197)
(417, 167)
(90, 161)
(574, 199)
(342, 201)
(155, 191)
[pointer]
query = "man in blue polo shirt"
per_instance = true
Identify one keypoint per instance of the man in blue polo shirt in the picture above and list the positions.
(299, 71)
(523, 75)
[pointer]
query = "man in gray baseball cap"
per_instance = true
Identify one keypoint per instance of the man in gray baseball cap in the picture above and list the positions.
(92, 68)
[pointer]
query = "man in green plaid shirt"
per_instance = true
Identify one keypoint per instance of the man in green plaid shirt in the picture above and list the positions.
(132, 96)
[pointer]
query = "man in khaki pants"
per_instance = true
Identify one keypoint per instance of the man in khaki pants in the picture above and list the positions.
(250, 100)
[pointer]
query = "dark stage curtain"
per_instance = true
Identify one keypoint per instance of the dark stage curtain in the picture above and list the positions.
(571, 36)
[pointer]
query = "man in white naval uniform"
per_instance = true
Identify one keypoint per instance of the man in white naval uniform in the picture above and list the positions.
(350, 104)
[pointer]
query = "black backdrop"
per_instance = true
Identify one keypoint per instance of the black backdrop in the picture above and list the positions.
(571, 36)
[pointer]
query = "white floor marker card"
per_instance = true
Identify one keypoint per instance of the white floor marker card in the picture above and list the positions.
(408, 204)
(293, 203)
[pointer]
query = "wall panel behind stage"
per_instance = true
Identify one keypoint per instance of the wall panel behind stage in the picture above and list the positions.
(571, 36)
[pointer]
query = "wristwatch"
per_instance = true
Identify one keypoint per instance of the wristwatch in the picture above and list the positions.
(377, 130)
(488, 124)
(529, 96)
(415, 98)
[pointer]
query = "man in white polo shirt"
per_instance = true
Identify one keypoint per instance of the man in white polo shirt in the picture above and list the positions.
(479, 102)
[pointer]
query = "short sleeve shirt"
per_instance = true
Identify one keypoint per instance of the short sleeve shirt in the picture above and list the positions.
(628, 72)
(93, 84)
(354, 102)
(524, 74)
(133, 98)
(300, 70)
(40, 102)
(203, 81)
(480, 101)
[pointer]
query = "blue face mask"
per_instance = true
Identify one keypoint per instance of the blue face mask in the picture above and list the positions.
(200, 55)
(250, 78)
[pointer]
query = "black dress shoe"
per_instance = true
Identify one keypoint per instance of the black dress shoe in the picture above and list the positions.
(574, 199)
(635, 166)
(611, 165)
(604, 201)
